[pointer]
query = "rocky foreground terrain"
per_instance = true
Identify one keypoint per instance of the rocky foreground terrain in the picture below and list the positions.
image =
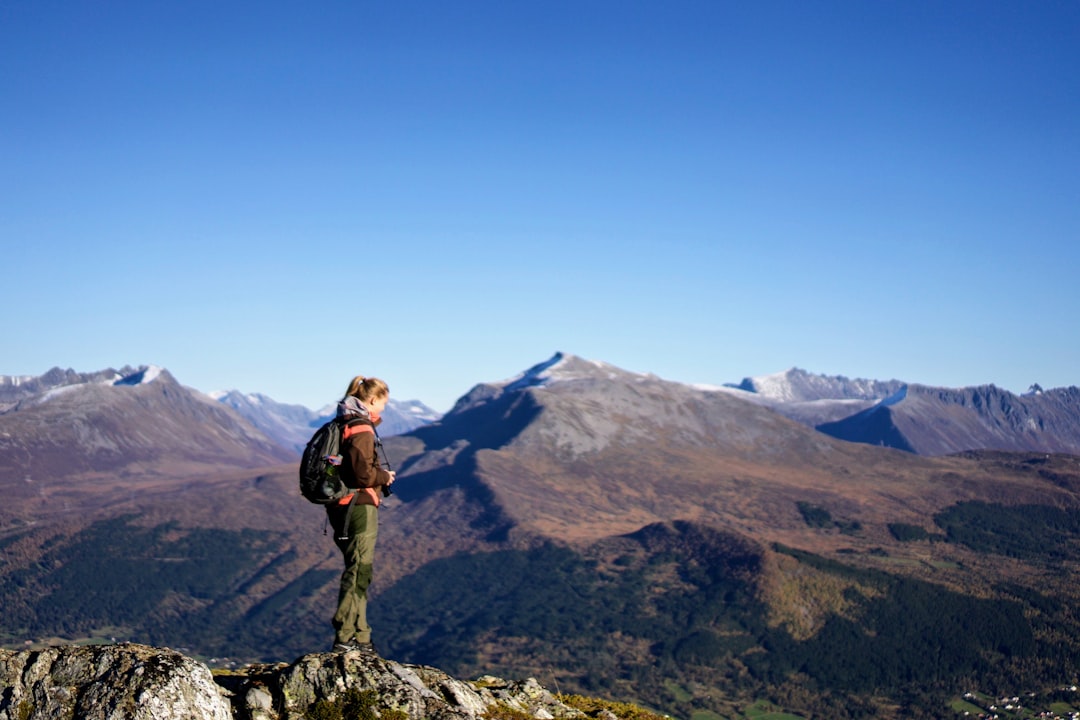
(139, 682)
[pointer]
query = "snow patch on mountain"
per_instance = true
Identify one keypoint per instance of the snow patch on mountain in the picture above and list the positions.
(734, 391)
(796, 385)
(895, 398)
(777, 386)
(563, 367)
(54, 392)
(538, 375)
(66, 383)
(237, 396)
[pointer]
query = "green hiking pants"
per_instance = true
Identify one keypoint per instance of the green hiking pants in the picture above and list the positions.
(358, 547)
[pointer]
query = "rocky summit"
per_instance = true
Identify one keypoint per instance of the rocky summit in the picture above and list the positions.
(139, 682)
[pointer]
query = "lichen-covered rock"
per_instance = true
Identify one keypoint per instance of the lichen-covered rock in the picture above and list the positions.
(136, 682)
(107, 682)
(327, 676)
(528, 696)
(398, 690)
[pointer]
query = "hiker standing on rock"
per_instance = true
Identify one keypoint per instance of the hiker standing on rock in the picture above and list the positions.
(355, 518)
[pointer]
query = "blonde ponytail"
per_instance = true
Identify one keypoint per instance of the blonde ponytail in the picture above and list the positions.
(367, 389)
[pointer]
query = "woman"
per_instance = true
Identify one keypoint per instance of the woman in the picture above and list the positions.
(355, 517)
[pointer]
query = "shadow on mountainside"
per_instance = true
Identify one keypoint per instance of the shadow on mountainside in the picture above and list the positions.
(438, 459)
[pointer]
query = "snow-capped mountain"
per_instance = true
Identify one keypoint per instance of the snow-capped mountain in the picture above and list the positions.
(402, 416)
(119, 422)
(916, 418)
(919, 419)
(293, 425)
(797, 385)
(290, 425)
(812, 399)
(14, 388)
(941, 421)
(559, 368)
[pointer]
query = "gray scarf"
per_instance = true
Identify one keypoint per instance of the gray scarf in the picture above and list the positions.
(352, 407)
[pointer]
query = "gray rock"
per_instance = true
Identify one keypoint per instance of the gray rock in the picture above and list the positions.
(137, 682)
(107, 682)
(414, 691)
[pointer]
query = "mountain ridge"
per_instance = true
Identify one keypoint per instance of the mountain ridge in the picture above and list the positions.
(836, 405)
(939, 421)
(58, 446)
(682, 544)
(798, 385)
(549, 415)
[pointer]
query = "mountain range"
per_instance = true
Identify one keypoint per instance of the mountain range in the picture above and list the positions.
(293, 425)
(114, 425)
(921, 419)
(691, 548)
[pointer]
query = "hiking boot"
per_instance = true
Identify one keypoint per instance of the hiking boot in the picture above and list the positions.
(364, 648)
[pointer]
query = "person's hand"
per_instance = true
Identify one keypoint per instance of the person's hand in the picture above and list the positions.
(393, 476)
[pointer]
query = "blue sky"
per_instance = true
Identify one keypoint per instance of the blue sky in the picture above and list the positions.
(275, 196)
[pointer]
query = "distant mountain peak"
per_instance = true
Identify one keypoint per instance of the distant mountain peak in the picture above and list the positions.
(777, 386)
(798, 385)
(562, 367)
(237, 396)
(26, 391)
(941, 421)
(539, 374)
(291, 425)
(116, 421)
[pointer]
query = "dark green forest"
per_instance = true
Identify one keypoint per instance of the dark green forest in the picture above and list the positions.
(916, 643)
(1038, 533)
(161, 585)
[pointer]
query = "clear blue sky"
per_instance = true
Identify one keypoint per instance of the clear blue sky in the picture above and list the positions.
(273, 196)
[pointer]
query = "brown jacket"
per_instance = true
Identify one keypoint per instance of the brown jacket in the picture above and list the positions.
(361, 465)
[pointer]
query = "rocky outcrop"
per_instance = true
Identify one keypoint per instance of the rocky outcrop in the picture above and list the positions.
(107, 682)
(137, 682)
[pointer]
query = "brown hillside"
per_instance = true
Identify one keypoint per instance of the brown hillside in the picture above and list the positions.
(594, 457)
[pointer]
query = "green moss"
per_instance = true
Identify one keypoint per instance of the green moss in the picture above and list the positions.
(353, 705)
(502, 711)
(324, 710)
(624, 711)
